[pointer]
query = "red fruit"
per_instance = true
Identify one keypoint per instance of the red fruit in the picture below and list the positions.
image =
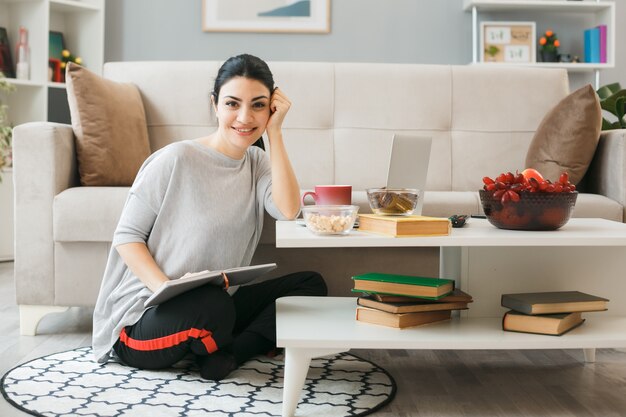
(564, 178)
(513, 196)
(498, 193)
(529, 173)
(487, 181)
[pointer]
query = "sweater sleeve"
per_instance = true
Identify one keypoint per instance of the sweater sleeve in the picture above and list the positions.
(145, 199)
(264, 184)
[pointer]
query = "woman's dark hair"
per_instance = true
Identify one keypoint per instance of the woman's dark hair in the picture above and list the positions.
(247, 66)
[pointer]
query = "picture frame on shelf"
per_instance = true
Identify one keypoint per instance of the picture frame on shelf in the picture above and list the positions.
(6, 63)
(508, 42)
(297, 16)
(56, 45)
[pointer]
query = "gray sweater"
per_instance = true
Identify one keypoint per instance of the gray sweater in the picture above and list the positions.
(195, 209)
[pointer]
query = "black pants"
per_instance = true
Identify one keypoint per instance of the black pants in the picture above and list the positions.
(206, 319)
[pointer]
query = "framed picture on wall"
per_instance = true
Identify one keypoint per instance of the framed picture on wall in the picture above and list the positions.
(508, 42)
(6, 63)
(304, 16)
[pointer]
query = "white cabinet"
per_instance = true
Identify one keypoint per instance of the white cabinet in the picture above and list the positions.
(567, 15)
(82, 25)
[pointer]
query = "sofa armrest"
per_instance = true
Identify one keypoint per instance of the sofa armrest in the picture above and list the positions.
(44, 164)
(607, 173)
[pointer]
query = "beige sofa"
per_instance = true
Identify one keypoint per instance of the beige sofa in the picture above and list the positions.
(339, 129)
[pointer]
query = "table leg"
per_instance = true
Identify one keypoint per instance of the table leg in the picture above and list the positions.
(297, 361)
(590, 355)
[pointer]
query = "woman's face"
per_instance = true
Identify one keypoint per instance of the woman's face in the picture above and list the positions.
(243, 109)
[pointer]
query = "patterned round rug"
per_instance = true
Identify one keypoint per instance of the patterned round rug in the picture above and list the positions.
(72, 384)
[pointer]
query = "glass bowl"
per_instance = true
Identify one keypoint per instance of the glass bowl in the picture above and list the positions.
(534, 211)
(329, 220)
(393, 201)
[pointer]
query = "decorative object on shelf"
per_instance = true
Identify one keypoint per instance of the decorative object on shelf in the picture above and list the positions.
(66, 56)
(22, 68)
(491, 52)
(6, 132)
(549, 47)
(6, 63)
(613, 100)
(54, 70)
(507, 42)
(312, 16)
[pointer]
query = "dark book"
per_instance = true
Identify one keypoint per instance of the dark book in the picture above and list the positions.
(454, 296)
(553, 302)
(411, 307)
(402, 320)
(404, 225)
(550, 324)
(423, 287)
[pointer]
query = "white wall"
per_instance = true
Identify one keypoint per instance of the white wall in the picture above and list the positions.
(405, 31)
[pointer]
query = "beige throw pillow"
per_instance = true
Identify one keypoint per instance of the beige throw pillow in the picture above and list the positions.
(110, 126)
(567, 137)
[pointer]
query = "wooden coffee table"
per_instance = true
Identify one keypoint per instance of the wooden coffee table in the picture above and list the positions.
(309, 327)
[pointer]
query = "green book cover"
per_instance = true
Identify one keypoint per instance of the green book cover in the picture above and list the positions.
(404, 279)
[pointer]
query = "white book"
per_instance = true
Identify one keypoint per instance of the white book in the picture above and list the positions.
(223, 278)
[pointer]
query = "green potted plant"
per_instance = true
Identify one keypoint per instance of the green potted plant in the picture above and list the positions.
(613, 100)
(491, 52)
(549, 45)
(6, 131)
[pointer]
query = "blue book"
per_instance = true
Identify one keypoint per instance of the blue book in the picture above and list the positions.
(592, 45)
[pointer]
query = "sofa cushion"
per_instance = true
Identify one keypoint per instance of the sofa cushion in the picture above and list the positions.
(110, 127)
(567, 137)
(87, 214)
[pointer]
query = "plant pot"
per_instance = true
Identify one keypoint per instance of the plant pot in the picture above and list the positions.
(549, 56)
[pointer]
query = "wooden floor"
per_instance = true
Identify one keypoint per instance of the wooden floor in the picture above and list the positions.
(430, 383)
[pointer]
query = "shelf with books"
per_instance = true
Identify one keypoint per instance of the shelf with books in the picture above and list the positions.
(572, 16)
(329, 322)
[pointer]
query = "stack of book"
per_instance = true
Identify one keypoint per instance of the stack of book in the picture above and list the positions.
(551, 313)
(406, 301)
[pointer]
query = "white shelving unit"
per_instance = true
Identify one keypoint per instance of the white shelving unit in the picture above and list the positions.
(82, 25)
(599, 12)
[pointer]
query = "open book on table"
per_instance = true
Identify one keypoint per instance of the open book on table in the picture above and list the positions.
(223, 278)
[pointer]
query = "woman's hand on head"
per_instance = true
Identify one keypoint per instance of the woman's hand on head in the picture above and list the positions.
(279, 106)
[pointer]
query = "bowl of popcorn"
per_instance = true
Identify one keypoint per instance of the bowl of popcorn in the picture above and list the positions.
(393, 201)
(329, 220)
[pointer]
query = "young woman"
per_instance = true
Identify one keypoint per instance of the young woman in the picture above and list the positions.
(198, 205)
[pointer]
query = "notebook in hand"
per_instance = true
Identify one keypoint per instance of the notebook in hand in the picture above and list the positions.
(234, 276)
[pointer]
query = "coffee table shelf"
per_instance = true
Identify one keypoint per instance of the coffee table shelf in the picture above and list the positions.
(329, 322)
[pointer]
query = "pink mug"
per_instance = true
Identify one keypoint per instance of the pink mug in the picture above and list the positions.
(330, 195)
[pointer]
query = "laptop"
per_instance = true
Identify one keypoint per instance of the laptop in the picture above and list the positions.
(408, 164)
